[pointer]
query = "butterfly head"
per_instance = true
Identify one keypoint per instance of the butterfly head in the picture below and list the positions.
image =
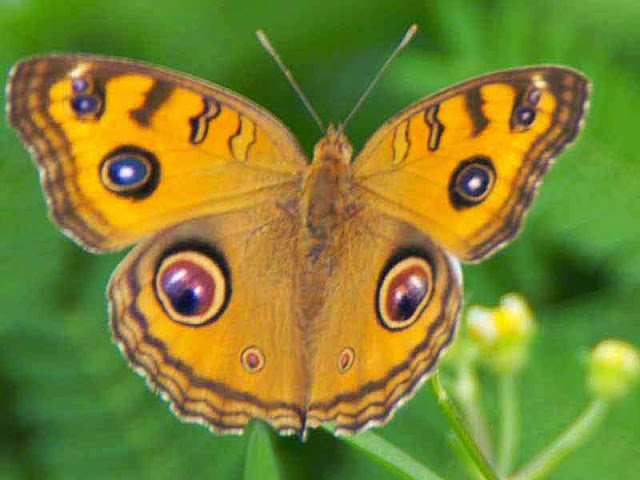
(333, 147)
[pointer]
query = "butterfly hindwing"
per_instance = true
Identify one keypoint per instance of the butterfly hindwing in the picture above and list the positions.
(206, 311)
(277, 333)
(389, 311)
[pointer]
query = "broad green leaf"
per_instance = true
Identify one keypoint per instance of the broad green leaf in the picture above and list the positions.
(260, 461)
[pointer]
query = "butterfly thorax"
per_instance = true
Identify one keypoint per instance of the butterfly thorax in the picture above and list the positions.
(334, 146)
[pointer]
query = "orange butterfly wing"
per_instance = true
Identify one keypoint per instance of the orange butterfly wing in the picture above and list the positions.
(93, 123)
(369, 357)
(240, 357)
(465, 164)
(207, 179)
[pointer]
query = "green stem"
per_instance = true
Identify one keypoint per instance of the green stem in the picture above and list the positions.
(566, 443)
(463, 455)
(466, 391)
(470, 446)
(508, 423)
(388, 455)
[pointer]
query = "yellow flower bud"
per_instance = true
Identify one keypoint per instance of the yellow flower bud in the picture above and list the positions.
(502, 333)
(482, 325)
(614, 365)
(519, 314)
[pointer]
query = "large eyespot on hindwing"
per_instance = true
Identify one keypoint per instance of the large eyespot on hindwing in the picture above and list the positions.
(193, 285)
(471, 182)
(130, 171)
(404, 290)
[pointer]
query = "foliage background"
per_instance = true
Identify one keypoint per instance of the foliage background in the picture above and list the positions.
(71, 408)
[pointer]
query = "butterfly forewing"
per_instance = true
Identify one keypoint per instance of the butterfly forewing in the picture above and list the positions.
(125, 149)
(464, 164)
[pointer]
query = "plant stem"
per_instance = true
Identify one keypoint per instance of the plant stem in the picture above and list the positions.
(466, 391)
(450, 411)
(566, 443)
(508, 423)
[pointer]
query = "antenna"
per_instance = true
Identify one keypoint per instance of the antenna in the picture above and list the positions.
(411, 31)
(262, 37)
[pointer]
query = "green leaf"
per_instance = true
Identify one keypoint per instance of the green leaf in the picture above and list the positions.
(260, 461)
(390, 456)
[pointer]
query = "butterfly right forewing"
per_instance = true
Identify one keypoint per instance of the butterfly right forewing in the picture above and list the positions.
(464, 165)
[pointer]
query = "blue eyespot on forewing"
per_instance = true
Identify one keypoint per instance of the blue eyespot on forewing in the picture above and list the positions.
(130, 171)
(471, 182)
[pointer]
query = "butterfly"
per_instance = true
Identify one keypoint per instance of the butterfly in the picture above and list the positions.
(267, 285)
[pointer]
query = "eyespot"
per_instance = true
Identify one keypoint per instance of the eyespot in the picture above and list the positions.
(252, 359)
(524, 111)
(404, 292)
(126, 171)
(85, 104)
(525, 116)
(80, 84)
(87, 100)
(533, 96)
(130, 172)
(471, 182)
(192, 287)
(346, 359)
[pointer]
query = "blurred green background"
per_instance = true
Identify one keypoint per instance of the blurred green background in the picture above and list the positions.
(70, 408)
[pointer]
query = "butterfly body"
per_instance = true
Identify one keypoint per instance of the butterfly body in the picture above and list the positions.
(325, 192)
(262, 284)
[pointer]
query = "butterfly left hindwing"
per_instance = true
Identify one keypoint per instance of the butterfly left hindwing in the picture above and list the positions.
(206, 311)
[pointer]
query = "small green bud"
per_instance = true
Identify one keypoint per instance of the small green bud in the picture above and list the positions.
(614, 365)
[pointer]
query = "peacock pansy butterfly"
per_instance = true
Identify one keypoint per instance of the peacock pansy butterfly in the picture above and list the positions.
(264, 285)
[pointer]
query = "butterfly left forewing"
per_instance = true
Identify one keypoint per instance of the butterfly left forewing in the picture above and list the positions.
(464, 164)
(125, 149)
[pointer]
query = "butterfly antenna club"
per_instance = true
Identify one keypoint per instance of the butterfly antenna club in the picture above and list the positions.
(264, 41)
